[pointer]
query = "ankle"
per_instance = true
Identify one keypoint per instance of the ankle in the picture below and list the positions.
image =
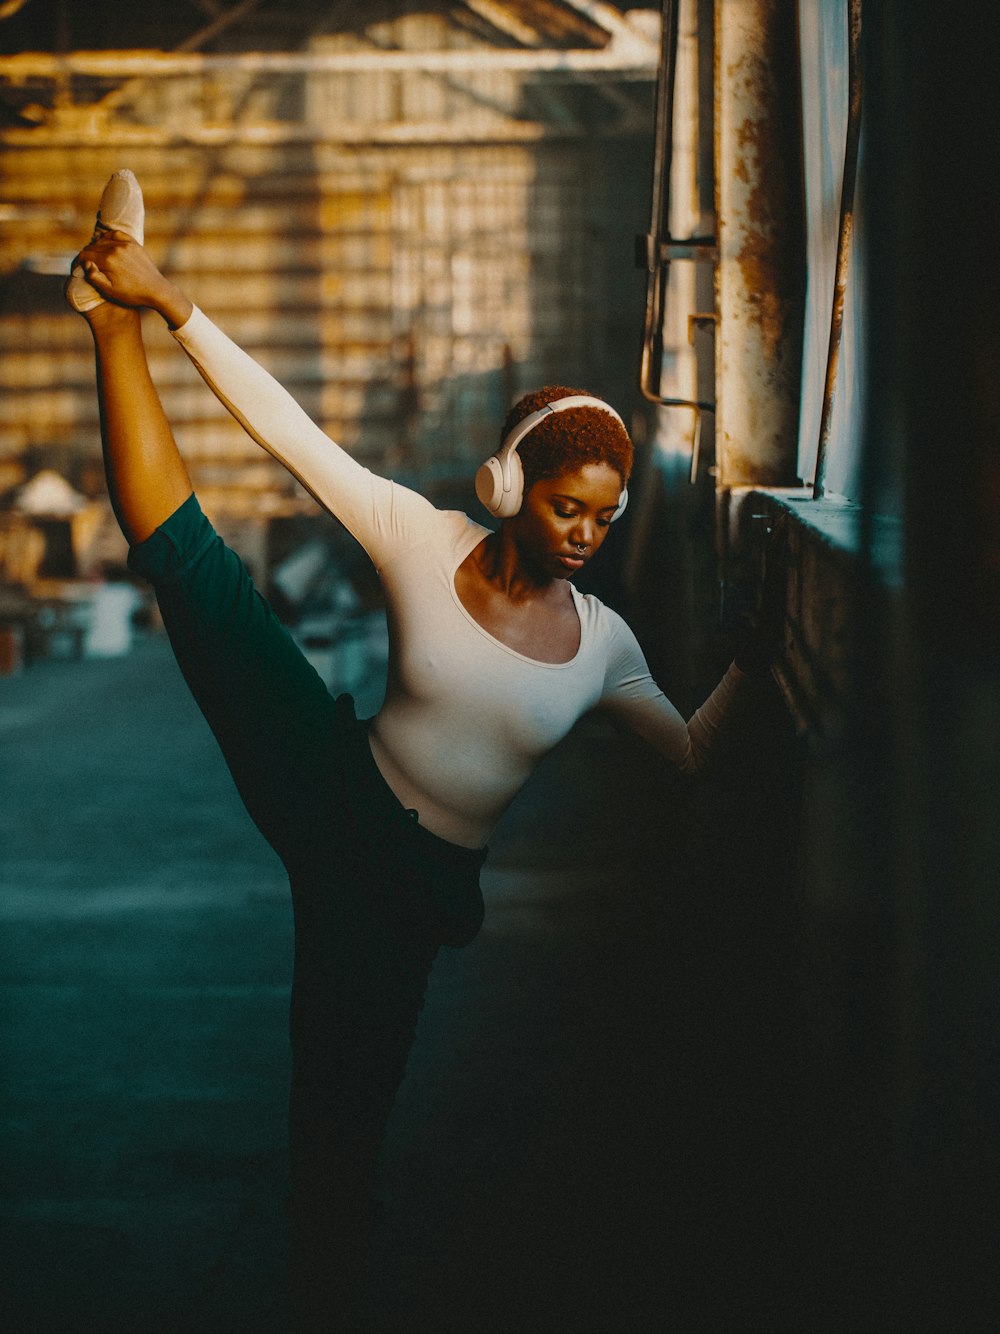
(109, 319)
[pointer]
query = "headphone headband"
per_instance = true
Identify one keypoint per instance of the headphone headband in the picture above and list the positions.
(500, 481)
(527, 424)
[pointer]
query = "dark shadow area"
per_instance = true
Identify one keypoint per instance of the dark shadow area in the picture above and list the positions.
(594, 1127)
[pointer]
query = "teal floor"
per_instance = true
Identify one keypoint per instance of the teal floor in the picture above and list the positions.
(546, 1166)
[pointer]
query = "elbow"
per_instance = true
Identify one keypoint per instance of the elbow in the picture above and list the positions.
(693, 762)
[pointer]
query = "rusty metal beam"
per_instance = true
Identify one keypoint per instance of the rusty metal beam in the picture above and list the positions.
(633, 53)
(358, 133)
(503, 19)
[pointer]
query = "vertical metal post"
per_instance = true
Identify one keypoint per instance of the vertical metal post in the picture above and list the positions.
(761, 274)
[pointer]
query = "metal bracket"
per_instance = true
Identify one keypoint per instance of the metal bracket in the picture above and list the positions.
(655, 249)
(652, 251)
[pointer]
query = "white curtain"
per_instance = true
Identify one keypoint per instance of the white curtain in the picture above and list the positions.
(823, 51)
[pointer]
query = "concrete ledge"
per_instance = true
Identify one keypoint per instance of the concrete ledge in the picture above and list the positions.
(843, 573)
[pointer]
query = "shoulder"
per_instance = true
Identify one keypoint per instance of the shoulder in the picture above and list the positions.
(413, 521)
(460, 531)
(407, 513)
(602, 621)
(611, 641)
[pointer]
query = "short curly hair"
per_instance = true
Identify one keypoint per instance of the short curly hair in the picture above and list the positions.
(564, 441)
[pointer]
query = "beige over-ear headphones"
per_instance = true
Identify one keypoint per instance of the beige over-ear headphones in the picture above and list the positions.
(500, 480)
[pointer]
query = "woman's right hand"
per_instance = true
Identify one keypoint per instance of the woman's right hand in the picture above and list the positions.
(121, 271)
(763, 642)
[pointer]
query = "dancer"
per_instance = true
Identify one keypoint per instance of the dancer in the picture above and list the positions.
(381, 824)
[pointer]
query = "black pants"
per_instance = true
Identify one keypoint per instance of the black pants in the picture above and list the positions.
(366, 937)
(374, 894)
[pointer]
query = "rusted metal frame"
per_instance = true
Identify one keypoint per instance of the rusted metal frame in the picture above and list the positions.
(605, 17)
(218, 25)
(13, 66)
(421, 134)
(50, 133)
(503, 20)
(657, 248)
(576, 66)
(701, 249)
(845, 236)
(634, 61)
(761, 268)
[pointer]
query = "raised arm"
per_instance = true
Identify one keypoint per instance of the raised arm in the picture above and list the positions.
(379, 514)
(272, 417)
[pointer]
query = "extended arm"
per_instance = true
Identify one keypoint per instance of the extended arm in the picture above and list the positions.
(272, 417)
(633, 698)
(381, 515)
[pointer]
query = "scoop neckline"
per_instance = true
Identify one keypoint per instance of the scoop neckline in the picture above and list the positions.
(481, 537)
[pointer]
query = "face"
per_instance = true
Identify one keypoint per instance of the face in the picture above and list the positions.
(564, 520)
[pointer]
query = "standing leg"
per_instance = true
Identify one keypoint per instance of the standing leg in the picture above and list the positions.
(354, 1015)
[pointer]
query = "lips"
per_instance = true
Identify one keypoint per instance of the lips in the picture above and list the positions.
(571, 562)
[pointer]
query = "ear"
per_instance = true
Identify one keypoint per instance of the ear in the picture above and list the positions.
(500, 485)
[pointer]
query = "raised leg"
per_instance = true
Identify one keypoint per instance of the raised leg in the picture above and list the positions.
(147, 477)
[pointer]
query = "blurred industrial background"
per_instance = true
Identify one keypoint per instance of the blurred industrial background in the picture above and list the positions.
(723, 1058)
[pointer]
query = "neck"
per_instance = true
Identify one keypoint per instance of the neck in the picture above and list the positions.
(502, 565)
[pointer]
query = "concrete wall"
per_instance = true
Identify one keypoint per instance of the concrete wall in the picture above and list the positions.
(849, 853)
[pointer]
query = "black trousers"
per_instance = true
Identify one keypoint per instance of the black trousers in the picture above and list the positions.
(365, 942)
(374, 894)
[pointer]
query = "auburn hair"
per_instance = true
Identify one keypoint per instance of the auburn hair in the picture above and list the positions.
(566, 440)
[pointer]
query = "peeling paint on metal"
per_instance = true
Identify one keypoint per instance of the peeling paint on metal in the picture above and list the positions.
(761, 271)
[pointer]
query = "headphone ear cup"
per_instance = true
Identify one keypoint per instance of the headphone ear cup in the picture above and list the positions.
(489, 486)
(510, 501)
(622, 502)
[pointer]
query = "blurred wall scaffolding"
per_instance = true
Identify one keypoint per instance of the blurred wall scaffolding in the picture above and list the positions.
(408, 223)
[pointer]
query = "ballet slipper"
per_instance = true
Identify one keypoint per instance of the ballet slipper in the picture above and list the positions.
(121, 210)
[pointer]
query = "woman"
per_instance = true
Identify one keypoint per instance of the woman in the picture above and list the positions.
(382, 825)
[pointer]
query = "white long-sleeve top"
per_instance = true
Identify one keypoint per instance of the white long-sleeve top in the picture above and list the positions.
(465, 717)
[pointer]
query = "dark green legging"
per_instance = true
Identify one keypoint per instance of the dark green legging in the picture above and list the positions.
(374, 893)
